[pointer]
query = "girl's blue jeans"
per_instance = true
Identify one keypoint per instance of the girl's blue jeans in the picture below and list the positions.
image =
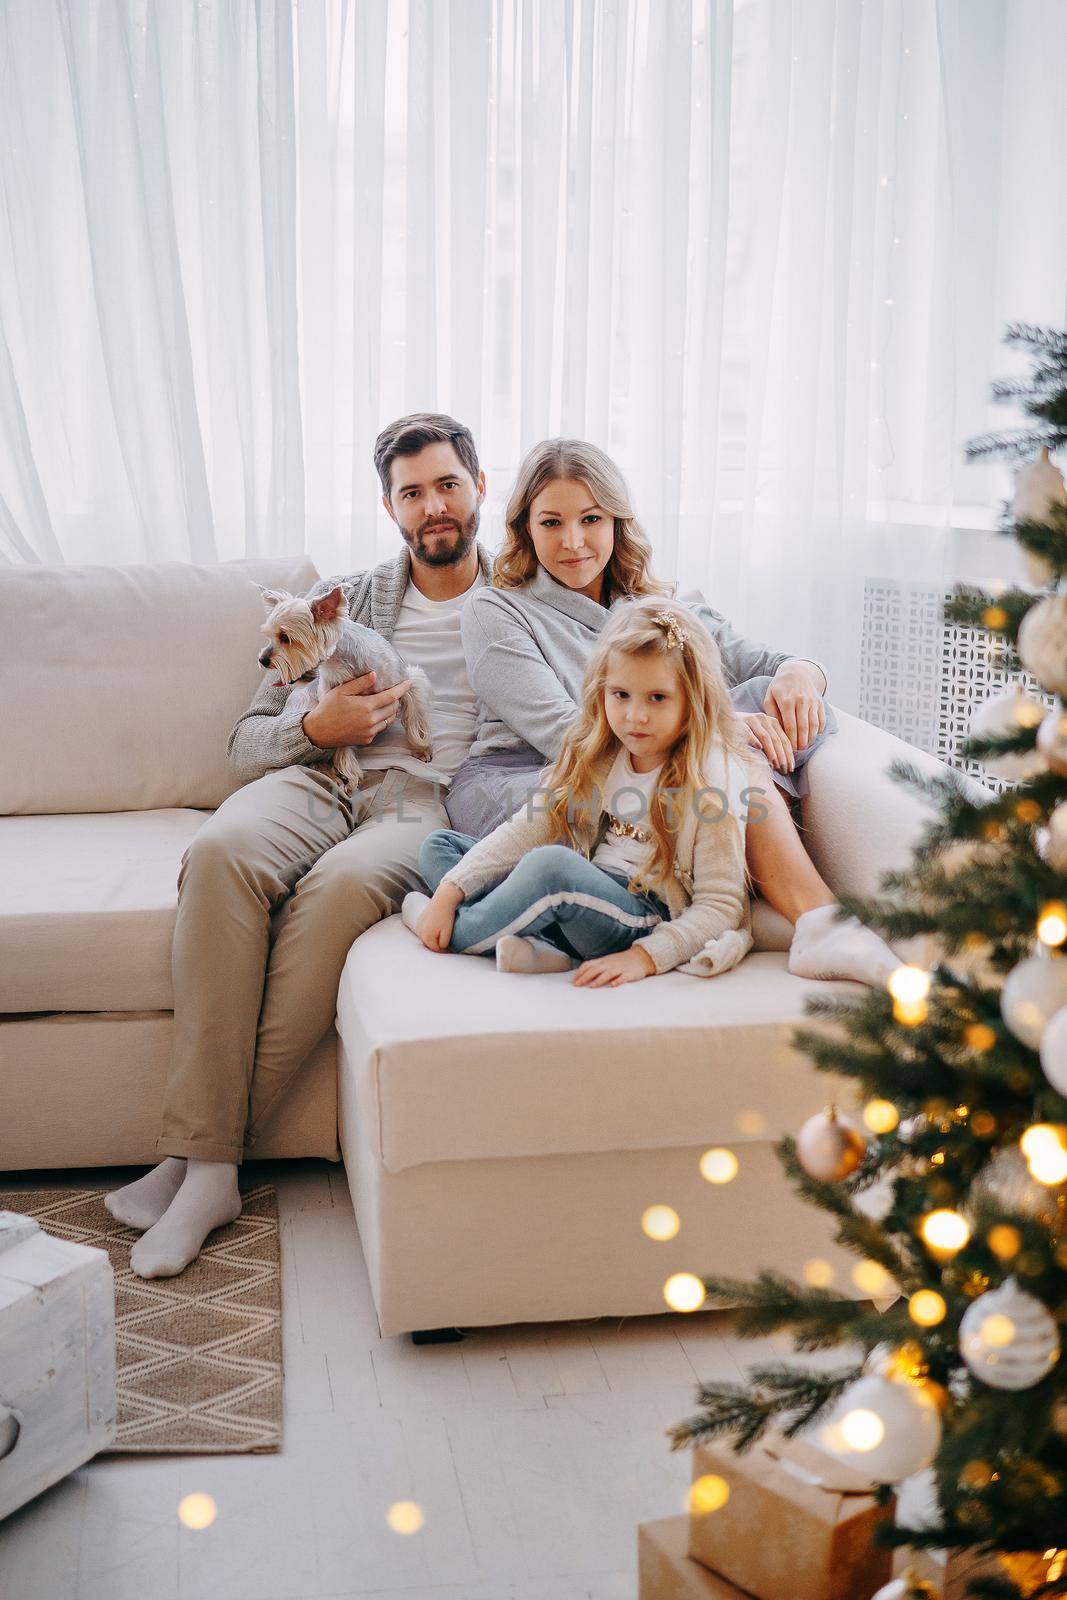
(553, 893)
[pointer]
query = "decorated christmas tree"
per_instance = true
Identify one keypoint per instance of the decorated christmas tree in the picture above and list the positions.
(950, 1185)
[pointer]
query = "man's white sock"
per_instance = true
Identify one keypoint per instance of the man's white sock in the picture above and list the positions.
(141, 1204)
(412, 907)
(208, 1198)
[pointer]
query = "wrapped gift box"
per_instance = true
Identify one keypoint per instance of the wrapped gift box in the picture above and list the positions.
(57, 1357)
(667, 1572)
(797, 1523)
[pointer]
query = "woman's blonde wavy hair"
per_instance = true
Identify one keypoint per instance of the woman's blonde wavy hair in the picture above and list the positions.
(667, 628)
(573, 460)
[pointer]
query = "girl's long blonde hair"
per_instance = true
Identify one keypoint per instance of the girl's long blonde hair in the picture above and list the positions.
(666, 628)
(573, 460)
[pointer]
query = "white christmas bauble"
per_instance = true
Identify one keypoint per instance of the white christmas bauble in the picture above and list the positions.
(1039, 486)
(1052, 740)
(1008, 1338)
(886, 1430)
(1042, 645)
(1010, 1185)
(876, 1201)
(1053, 1051)
(830, 1146)
(1052, 841)
(1032, 994)
(1000, 716)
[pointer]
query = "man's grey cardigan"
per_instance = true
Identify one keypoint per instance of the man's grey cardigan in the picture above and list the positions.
(269, 735)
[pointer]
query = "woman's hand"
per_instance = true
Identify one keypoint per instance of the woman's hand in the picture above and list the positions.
(435, 925)
(626, 966)
(768, 735)
(795, 698)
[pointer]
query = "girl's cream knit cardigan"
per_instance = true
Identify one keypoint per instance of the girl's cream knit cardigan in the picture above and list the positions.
(710, 926)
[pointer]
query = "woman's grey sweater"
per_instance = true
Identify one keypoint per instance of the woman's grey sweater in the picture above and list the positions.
(527, 650)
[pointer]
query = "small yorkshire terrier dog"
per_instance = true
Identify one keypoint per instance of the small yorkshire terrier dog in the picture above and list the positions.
(316, 640)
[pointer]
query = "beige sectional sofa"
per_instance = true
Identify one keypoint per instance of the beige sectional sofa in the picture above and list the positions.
(501, 1134)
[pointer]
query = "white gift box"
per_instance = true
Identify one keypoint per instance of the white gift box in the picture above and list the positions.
(57, 1357)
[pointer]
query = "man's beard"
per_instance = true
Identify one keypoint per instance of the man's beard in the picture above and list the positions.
(433, 551)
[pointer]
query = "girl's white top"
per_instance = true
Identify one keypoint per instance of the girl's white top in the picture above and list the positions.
(627, 797)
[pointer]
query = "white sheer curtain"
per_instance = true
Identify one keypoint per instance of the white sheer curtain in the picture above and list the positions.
(761, 250)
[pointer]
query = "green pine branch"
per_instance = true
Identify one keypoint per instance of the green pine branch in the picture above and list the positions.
(793, 1397)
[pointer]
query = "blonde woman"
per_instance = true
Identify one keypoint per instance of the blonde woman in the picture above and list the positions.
(573, 553)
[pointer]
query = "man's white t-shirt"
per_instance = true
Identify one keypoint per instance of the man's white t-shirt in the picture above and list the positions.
(427, 636)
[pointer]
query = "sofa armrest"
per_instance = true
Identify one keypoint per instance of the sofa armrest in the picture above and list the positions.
(858, 822)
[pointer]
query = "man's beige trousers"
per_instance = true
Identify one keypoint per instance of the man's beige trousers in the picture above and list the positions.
(272, 892)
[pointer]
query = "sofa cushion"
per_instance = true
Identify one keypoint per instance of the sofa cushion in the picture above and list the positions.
(123, 683)
(87, 910)
(478, 1063)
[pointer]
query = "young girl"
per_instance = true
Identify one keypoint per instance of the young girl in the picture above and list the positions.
(631, 859)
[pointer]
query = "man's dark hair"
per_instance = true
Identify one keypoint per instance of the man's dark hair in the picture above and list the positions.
(408, 435)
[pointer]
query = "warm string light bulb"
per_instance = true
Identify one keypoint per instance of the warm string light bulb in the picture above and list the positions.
(1044, 1145)
(909, 984)
(945, 1232)
(880, 1116)
(1052, 924)
(862, 1430)
(927, 1308)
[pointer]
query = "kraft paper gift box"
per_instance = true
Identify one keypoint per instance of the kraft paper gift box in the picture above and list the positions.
(796, 1523)
(666, 1572)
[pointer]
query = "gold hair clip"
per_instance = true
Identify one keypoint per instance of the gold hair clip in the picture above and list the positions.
(676, 635)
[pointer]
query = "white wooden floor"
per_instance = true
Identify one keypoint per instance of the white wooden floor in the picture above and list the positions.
(534, 1452)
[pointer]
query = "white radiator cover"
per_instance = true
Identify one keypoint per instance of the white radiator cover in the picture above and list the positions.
(922, 677)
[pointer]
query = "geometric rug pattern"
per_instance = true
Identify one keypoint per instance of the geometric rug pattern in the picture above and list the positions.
(199, 1356)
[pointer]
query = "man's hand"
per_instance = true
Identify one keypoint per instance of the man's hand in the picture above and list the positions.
(352, 713)
(435, 925)
(626, 966)
(795, 698)
(768, 735)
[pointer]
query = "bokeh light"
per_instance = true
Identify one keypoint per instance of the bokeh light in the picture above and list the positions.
(660, 1222)
(1052, 923)
(683, 1291)
(1004, 1241)
(945, 1232)
(871, 1277)
(880, 1116)
(927, 1308)
(197, 1511)
(819, 1273)
(718, 1166)
(706, 1494)
(405, 1516)
(862, 1429)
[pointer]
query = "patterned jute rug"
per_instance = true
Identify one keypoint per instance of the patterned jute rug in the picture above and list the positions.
(199, 1355)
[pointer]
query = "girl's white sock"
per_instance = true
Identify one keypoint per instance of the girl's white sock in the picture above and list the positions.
(825, 948)
(514, 954)
(208, 1198)
(141, 1204)
(412, 907)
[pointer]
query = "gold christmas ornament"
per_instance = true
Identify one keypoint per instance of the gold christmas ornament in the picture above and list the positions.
(1008, 1338)
(1032, 994)
(1042, 645)
(830, 1146)
(1006, 714)
(1052, 739)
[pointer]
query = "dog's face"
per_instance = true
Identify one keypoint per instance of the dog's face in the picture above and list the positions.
(300, 633)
